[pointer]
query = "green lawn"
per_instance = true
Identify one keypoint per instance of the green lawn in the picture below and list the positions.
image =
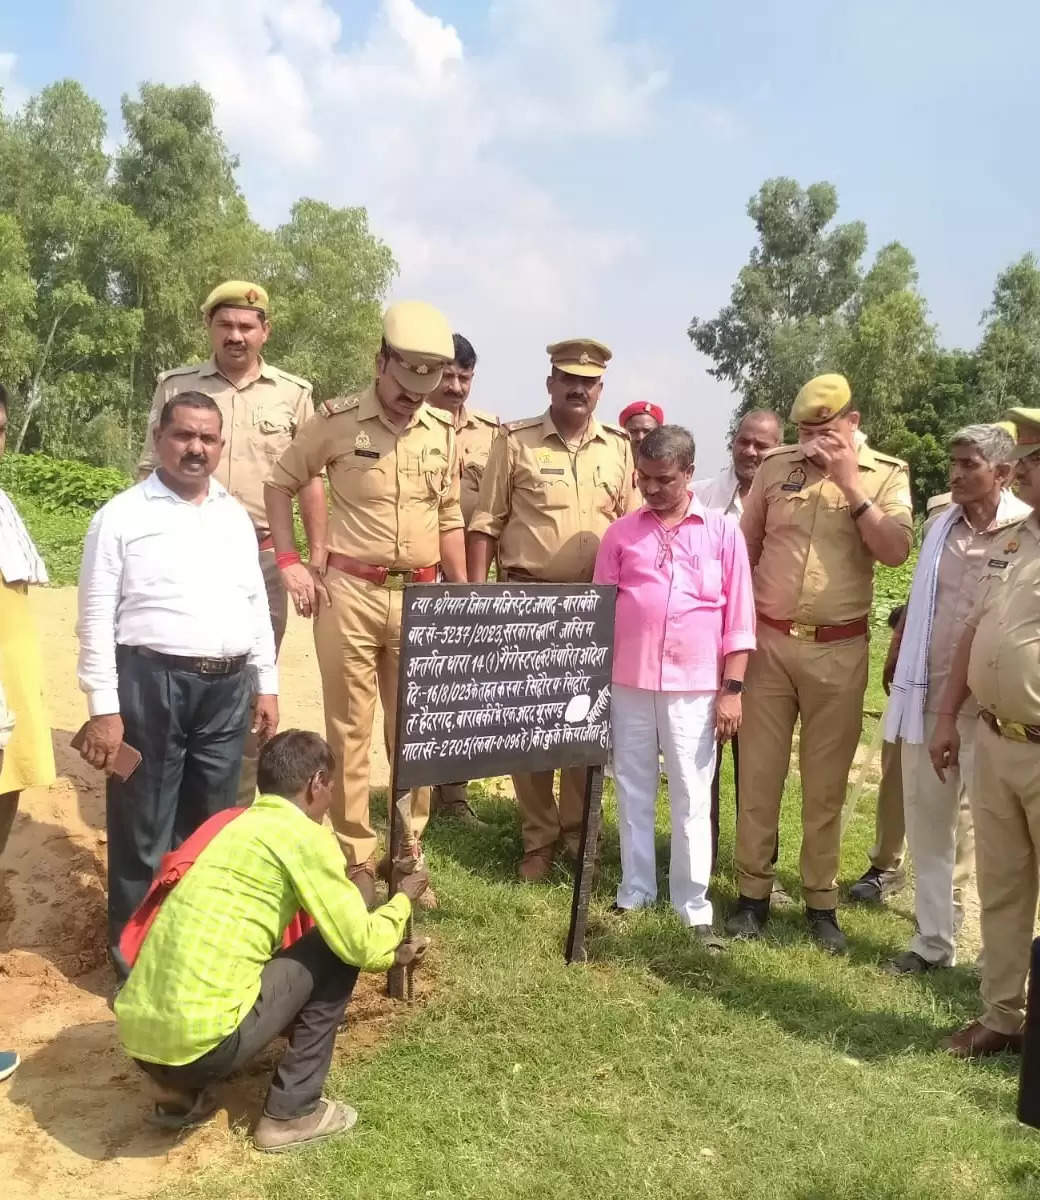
(772, 1071)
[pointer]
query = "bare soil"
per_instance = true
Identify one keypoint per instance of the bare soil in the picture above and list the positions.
(72, 1116)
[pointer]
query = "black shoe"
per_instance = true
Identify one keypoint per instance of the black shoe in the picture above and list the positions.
(910, 963)
(824, 931)
(875, 886)
(749, 918)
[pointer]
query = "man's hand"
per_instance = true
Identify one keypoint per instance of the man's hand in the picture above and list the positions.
(838, 459)
(728, 713)
(265, 718)
(412, 883)
(102, 737)
(305, 584)
(888, 671)
(944, 748)
(411, 954)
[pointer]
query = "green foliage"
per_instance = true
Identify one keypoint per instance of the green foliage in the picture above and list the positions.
(801, 305)
(105, 261)
(54, 485)
(58, 534)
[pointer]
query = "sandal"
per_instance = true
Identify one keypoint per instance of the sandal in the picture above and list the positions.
(180, 1114)
(274, 1136)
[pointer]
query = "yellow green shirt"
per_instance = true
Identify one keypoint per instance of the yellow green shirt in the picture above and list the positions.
(198, 971)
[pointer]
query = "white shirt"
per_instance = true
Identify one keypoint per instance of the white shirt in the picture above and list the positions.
(6, 720)
(19, 559)
(721, 493)
(177, 577)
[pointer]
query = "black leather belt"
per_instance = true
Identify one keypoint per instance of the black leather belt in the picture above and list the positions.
(197, 666)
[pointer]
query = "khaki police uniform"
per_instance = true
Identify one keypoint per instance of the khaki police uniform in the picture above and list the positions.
(392, 493)
(548, 504)
(1005, 680)
(260, 420)
(475, 432)
(812, 570)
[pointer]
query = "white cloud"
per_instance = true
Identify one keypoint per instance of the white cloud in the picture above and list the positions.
(14, 95)
(401, 117)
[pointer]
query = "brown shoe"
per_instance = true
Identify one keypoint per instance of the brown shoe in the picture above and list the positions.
(977, 1041)
(428, 900)
(451, 803)
(536, 865)
(363, 877)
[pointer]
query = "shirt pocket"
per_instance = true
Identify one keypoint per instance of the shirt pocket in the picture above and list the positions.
(608, 489)
(544, 487)
(362, 479)
(788, 510)
(273, 431)
(703, 579)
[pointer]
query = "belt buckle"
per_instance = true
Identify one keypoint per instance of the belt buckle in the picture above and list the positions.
(804, 633)
(1012, 730)
(213, 666)
(394, 581)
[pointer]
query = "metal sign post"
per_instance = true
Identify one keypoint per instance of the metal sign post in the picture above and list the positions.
(587, 856)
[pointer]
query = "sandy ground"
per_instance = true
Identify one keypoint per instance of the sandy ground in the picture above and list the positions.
(71, 1116)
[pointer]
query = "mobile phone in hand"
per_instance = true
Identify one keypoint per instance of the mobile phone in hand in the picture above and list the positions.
(126, 761)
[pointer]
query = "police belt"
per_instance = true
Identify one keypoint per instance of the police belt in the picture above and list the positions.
(383, 576)
(818, 633)
(1013, 731)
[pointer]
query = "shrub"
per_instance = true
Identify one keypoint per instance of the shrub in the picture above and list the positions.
(60, 485)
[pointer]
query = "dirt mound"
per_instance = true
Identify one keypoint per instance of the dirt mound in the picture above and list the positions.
(71, 1117)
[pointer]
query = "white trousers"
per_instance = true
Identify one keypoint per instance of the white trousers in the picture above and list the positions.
(932, 811)
(682, 724)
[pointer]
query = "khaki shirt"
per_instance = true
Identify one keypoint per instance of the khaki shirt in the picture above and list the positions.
(547, 505)
(964, 559)
(392, 492)
(810, 563)
(260, 420)
(1004, 671)
(474, 434)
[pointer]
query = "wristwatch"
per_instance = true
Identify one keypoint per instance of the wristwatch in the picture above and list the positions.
(860, 509)
(733, 686)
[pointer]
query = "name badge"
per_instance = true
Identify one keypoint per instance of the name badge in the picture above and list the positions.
(553, 471)
(997, 562)
(795, 481)
(366, 453)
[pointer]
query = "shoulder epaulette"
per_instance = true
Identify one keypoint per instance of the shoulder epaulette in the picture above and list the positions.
(440, 415)
(516, 426)
(778, 450)
(188, 370)
(889, 458)
(617, 430)
(297, 379)
(338, 404)
(487, 418)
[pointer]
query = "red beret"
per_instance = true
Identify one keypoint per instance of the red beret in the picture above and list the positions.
(641, 406)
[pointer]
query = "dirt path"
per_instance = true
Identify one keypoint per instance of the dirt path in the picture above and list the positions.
(71, 1116)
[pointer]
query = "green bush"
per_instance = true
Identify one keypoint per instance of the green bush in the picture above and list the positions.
(60, 485)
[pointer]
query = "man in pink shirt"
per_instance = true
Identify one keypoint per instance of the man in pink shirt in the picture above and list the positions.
(684, 628)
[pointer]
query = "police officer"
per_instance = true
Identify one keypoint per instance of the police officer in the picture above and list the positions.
(552, 486)
(818, 516)
(474, 433)
(263, 408)
(996, 662)
(395, 518)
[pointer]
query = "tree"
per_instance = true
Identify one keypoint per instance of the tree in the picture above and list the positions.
(327, 278)
(784, 312)
(1009, 356)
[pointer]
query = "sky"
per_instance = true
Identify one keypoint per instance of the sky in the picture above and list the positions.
(546, 169)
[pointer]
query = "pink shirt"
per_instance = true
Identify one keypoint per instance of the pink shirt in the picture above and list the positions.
(684, 598)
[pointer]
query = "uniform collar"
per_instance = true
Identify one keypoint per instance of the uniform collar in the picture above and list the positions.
(1010, 511)
(155, 489)
(594, 430)
(209, 367)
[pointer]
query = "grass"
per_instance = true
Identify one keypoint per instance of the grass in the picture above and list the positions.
(656, 1070)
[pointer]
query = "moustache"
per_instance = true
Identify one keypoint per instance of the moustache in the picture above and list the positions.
(190, 460)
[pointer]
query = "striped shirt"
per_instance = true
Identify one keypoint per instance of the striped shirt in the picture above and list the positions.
(198, 972)
(19, 559)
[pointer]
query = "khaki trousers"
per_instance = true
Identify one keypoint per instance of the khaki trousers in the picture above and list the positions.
(889, 823)
(358, 641)
(823, 683)
(278, 604)
(542, 823)
(1005, 794)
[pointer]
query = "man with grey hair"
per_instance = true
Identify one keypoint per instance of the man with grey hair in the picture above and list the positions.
(958, 544)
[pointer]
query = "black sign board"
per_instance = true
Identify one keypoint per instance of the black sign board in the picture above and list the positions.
(497, 678)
